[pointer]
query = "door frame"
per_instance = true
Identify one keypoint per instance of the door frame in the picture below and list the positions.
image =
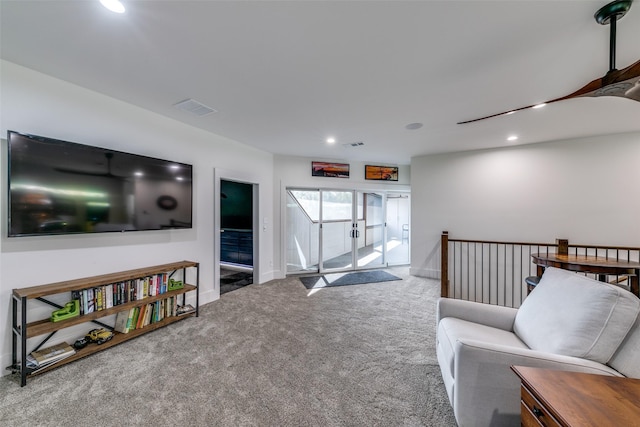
(354, 248)
(220, 174)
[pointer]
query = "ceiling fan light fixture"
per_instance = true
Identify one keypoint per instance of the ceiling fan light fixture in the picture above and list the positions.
(634, 92)
(113, 5)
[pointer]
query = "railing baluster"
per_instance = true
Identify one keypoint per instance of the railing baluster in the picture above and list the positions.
(492, 283)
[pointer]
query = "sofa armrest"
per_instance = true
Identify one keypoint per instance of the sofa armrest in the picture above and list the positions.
(485, 314)
(487, 392)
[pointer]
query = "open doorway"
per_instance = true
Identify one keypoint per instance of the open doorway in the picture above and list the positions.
(236, 235)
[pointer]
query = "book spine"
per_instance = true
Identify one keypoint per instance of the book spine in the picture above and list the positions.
(130, 319)
(147, 314)
(98, 295)
(109, 296)
(91, 302)
(140, 321)
(121, 322)
(133, 296)
(85, 301)
(134, 318)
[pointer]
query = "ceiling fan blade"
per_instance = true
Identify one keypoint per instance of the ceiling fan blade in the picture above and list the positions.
(79, 172)
(623, 83)
(107, 174)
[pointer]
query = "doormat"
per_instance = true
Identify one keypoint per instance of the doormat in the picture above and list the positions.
(345, 279)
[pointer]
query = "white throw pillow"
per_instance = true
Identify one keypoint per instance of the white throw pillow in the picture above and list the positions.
(573, 315)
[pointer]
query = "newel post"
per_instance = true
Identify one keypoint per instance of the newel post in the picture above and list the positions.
(563, 246)
(444, 264)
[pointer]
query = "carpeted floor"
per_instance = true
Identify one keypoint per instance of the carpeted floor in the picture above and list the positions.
(272, 354)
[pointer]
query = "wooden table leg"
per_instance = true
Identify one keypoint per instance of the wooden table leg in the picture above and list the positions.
(635, 289)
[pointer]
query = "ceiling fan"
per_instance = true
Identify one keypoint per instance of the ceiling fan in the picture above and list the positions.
(624, 83)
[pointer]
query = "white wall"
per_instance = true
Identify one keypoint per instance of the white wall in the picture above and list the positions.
(584, 190)
(292, 171)
(34, 103)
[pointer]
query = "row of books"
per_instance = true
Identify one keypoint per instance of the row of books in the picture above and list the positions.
(107, 296)
(139, 317)
(42, 358)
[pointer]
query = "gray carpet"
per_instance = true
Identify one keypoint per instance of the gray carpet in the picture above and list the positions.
(346, 279)
(272, 354)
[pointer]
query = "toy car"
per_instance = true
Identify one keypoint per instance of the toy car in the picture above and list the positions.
(99, 336)
(80, 343)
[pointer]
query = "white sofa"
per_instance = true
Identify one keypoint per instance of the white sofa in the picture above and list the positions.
(569, 322)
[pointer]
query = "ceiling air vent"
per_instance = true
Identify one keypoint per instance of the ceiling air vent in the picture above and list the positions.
(353, 144)
(194, 107)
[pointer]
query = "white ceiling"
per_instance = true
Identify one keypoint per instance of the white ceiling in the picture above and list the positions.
(285, 75)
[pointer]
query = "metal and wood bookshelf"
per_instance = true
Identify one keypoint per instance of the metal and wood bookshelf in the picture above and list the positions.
(22, 330)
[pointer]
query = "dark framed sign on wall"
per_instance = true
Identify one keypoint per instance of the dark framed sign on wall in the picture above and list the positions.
(336, 170)
(381, 173)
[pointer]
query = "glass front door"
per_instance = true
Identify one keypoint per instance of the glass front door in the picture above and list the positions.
(337, 230)
(342, 230)
(370, 230)
(397, 246)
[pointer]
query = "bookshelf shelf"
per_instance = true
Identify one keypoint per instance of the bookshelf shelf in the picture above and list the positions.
(23, 330)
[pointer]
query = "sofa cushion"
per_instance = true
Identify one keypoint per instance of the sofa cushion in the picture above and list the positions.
(451, 330)
(626, 359)
(573, 315)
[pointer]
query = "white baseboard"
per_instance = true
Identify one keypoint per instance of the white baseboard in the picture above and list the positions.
(270, 275)
(428, 273)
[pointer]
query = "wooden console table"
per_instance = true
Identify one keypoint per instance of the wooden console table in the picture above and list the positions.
(562, 398)
(591, 264)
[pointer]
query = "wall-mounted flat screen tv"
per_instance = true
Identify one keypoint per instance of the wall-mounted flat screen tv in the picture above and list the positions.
(61, 187)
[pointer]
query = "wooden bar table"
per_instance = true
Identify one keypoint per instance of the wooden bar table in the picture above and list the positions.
(601, 266)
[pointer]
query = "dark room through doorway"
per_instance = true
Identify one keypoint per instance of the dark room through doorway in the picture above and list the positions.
(236, 235)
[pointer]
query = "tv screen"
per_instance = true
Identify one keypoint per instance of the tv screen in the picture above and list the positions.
(61, 187)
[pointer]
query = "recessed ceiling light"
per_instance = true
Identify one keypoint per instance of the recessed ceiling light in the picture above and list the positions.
(331, 140)
(413, 126)
(113, 5)
(512, 138)
(539, 105)
(138, 173)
